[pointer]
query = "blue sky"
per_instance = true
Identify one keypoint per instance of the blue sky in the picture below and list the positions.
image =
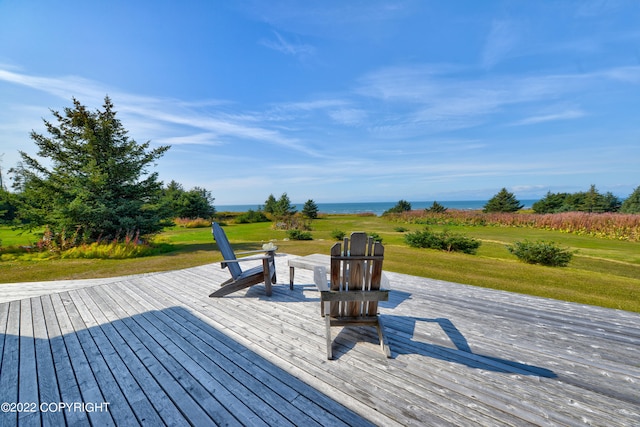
(342, 101)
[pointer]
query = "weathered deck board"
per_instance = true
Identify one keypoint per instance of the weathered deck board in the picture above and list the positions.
(142, 390)
(161, 352)
(10, 361)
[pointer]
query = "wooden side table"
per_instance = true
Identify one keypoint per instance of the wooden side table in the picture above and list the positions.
(308, 263)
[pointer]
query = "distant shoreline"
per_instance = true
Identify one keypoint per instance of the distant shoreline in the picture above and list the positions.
(376, 208)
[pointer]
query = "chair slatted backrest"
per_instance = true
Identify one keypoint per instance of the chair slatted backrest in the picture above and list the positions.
(356, 265)
(226, 250)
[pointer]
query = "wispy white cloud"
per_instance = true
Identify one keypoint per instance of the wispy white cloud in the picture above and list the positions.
(427, 100)
(334, 19)
(203, 138)
(500, 42)
(562, 115)
(282, 45)
(415, 83)
(596, 8)
(66, 87)
(630, 74)
(158, 113)
(349, 116)
(317, 104)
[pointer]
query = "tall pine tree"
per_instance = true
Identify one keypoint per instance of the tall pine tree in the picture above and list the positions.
(95, 182)
(503, 201)
(632, 203)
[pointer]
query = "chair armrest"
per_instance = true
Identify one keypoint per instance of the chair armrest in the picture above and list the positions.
(385, 285)
(268, 248)
(252, 252)
(320, 278)
(253, 258)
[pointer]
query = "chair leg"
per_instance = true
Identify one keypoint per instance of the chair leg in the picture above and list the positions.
(384, 345)
(328, 327)
(267, 276)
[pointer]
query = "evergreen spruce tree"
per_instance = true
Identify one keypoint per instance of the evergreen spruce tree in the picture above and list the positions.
(178, 203)
(436, 208)
(504, 201)
(270, 205)
(95, 182)
(632, 203)
(551, 203)
(284, 208)
(310, 209)
(401, 206)
(592, 201)
(8, 206)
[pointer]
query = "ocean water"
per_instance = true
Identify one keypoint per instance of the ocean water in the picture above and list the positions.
(376, 208)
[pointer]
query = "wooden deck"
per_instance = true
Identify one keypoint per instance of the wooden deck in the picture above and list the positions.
(158, 351)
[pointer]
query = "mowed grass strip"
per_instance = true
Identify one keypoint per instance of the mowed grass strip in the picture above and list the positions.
(603, 272)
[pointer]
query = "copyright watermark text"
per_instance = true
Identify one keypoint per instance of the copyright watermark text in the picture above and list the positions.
(54, 407)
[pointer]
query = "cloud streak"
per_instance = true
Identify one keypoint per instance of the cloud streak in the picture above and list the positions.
(437, 99)
(287, 47)
(564, 115)
(160, 113)
(501, 41)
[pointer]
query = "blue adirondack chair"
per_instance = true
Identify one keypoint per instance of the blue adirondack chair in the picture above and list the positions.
(243, 279)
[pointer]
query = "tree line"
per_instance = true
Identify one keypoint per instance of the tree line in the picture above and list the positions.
(588, 201)
(591, 201)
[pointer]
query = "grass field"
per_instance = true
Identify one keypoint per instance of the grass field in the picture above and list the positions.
(603, 272)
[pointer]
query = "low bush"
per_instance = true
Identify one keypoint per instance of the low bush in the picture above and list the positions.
(541, 252)
(95, 250)
(114, 250)
(192, 222)
(293, 222)
(296, 234)
(445, 241)
(375, 236)
(338, 234)
(251, 216)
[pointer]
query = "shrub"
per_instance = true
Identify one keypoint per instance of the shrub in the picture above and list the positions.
(445, 241)
(436, 208)
(375, 236)
(251, 216)
(112, 250)
(293, 223)
(401, 206)
(541, 252)
(338, 234)
(296, 234)
(192, 222)
(400, 229)
(454, 242)
(423, 239)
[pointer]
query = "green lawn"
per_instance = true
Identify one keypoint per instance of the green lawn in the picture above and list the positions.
(603, 272)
